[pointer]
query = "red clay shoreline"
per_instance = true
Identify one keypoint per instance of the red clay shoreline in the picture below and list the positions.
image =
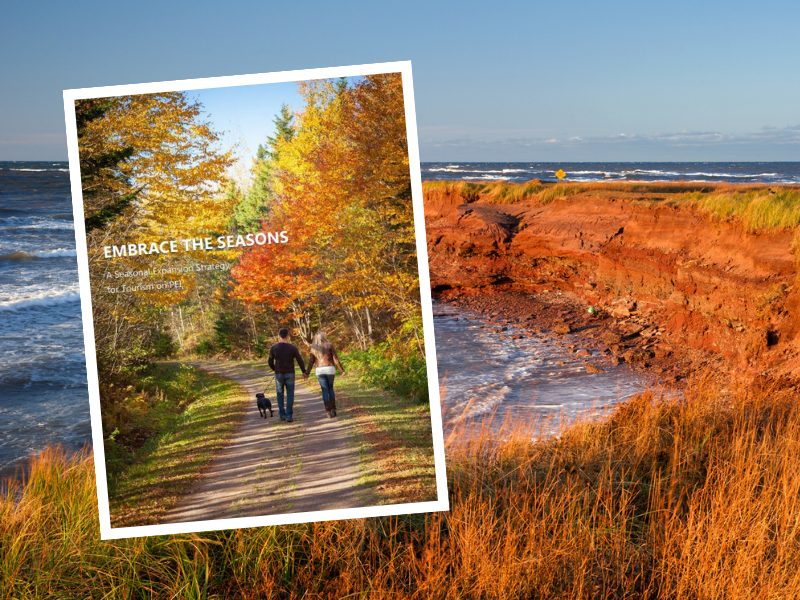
(597, 339)
(673, 290)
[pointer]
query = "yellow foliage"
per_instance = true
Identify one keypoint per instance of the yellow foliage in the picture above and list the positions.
(344, 190)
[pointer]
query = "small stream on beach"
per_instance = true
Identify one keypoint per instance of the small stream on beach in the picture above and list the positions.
(487, 378)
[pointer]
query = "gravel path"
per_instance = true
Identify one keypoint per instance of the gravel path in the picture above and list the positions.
(273, 467)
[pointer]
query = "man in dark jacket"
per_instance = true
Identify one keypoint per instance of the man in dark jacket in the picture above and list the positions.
(281, 360)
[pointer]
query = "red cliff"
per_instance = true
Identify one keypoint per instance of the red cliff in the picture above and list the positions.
(710, 283)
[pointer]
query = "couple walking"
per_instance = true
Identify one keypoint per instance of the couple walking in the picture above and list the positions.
(282, 357)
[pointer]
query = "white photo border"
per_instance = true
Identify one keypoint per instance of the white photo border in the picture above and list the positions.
(106, 531)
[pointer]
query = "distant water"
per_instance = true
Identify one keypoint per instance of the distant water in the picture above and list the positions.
(710, 172)
(487, 377)
(43, 392)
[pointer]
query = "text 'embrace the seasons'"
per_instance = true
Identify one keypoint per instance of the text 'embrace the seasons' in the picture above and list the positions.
(223, 242)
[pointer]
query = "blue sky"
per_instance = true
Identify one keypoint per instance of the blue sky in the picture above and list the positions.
(502, 81)
(244, 116)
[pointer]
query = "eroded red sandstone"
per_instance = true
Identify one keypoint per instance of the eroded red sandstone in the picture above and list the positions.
(696, 284)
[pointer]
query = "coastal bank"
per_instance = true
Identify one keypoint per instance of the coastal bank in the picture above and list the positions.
(677, 274)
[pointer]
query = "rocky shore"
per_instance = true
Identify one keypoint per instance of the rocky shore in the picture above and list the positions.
(596, 338)
(671, 290)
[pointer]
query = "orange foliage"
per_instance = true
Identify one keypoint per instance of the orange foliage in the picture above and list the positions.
(344, 197)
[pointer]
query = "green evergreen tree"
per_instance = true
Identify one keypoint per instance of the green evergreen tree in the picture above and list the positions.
(284, 132)
(255, 206)
(102, 202)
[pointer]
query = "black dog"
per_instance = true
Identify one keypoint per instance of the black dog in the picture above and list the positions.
(264, 405)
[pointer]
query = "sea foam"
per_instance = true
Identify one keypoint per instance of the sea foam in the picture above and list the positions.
(41, 170)
(34, 254)
(58, 253)
(40, 300)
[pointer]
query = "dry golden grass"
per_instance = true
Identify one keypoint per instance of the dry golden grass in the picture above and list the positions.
(691, 498)
(537, 192)
(756, 206)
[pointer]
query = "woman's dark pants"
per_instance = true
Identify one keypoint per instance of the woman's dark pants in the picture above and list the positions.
(328, 396)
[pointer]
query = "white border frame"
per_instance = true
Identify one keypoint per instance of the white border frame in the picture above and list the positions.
(106, 531)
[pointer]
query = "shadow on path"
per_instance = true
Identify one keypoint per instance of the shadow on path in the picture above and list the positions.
(272, 467)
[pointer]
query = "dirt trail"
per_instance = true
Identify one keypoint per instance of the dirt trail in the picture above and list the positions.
(273, 467)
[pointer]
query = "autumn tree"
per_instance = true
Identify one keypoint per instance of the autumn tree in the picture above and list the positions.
(344, 195)
(380, 267)
(150, 171)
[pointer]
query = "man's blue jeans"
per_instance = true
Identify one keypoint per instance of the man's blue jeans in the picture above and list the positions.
(285, 380)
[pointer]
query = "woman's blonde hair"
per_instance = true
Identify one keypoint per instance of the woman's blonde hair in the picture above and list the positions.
(320, 343)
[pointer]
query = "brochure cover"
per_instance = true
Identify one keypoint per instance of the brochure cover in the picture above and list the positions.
(255, 299)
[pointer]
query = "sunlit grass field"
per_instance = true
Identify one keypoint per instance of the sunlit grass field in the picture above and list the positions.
(697, 497)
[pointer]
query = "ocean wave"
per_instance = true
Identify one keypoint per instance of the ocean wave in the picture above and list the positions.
(477, 405)
(700, 174)
(500, 171)
(36, 226)
(58, 253)
(41, 300)
(66, 370)
(33, 229)
(460, 170)
(746, 176)
(652, 172)
(41, 170)
(34, 221)
(485, 176)
(32, 255)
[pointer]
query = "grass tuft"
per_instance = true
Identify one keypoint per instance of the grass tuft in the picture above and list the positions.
(756, 208)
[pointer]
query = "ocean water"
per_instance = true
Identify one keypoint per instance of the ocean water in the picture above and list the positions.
(490, 379)
(43, 392)
(777, 173)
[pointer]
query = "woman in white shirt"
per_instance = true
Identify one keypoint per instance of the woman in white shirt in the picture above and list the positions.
(324, 357)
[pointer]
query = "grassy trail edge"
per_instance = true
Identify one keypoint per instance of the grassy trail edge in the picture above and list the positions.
(171, 462)
(394, 437)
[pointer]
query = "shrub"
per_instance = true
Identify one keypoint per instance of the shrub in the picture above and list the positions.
(403, 375)
(163, 345)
